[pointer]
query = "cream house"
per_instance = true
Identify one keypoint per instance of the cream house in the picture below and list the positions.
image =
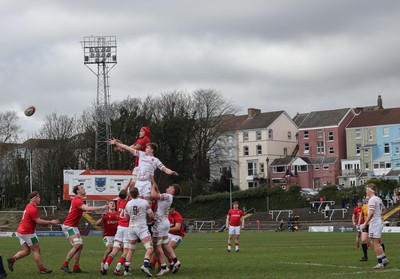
(249, 143)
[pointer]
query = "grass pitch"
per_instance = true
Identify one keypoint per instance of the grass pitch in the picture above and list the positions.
(203, 255)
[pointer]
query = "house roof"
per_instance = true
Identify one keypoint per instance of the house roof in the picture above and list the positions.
(260, 120)
(299, 118)
(282, 161)
(376, 118)
(393, 173)
(245, 122)
(323, 160)
(324, 118)
(231, 122)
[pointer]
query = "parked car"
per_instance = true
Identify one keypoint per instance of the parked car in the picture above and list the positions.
(308, 192)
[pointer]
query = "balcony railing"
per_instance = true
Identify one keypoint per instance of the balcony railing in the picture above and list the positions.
(350, 172)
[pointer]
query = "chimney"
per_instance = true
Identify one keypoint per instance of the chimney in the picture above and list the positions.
(379, 104)
(251, 112)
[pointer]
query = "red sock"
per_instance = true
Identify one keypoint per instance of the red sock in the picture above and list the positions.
(41, 268)
(121, 260)
(369, 244)
(13, 259)
(66, 263)
(76, 266)
(109, 260)
(170, 260)
(153, 261)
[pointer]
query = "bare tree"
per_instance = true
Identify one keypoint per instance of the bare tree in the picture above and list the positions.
(210, 107)
(9, 128)
(52, 151)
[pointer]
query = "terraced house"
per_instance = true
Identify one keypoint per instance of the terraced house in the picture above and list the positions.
(373, 147)
(321, 147)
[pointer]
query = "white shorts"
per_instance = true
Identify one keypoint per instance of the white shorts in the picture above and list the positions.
(161, 229)
(121, 234)
(375, 230)
(136, 233)
(175, 238)
(234, 230)
(29, 239)
(70, 231)
(108, 240)
(144, 188)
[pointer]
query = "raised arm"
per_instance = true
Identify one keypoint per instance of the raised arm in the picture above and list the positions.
(155, 193)
(120, 145)
(169, 171)
(93, 208)
(46, 222)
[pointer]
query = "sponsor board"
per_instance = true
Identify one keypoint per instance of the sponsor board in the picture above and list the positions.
(320, 229)
(50, 233)
(344, 229)
(7, 234)
(391, 230)
(99, 184)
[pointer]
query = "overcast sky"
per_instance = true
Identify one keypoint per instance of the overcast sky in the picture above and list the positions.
(297, 56)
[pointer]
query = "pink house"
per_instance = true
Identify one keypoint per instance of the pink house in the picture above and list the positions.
(321, 146)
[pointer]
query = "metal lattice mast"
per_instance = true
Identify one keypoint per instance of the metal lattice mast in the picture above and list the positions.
(101, 51)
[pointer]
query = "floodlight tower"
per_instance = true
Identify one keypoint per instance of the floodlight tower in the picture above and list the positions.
(101, 51)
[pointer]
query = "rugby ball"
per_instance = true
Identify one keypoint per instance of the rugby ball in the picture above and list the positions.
(30, 111)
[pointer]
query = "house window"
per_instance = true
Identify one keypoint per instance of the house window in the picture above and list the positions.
(245, 151)
(376, 166)
(262, 168)
(325, 167)
(245, 136)
(285, 152)
(330, 136)
(289, 135)
(230, 139)
(386, 148)
(397, 149)
(258, 135)
(366, 166)
(251, 184)
(320, 147)
(279, 169)
(270, 134)
(388, 165)
(370, 135)
(252, 168)
(306, 148)
(319, 134)
(316, 167)
(331, 151)
(366, 152)
(306, 134)
(358, 149)
(358, 133)
(259, 149)
(230, 152)
(385, 131)
(302, 168)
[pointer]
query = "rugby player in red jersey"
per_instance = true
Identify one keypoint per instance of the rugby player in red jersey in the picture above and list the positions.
(356, 215)
(110, 224)
(70, 228)
(120, 241)
(26, 234)
(234, 222)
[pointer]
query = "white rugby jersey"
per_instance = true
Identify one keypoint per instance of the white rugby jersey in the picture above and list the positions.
(147, 165)
(163, 206)
(137, 210)
(375, 204)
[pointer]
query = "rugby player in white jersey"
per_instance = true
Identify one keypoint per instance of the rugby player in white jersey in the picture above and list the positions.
(161, 228)
(375, 223)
